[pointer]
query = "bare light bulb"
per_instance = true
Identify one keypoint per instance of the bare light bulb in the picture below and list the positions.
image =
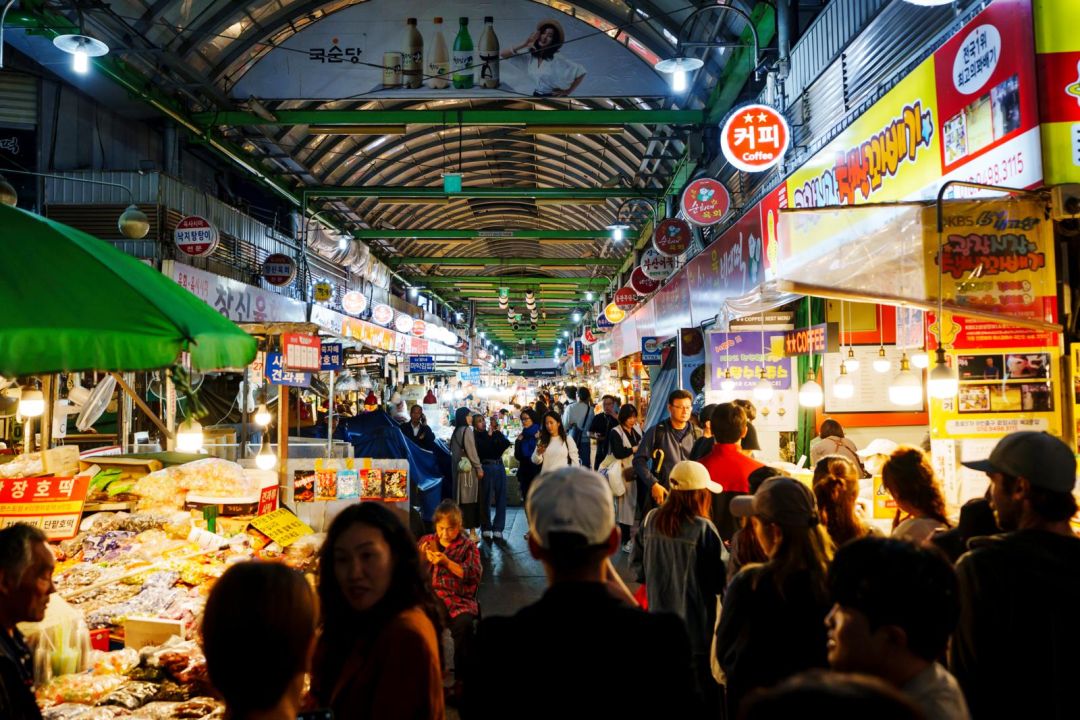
(811, 395)
(920, 360)
(906, 388)
(763, 391)
(80, 62)
(843, 388)
(851, 361)
(262, 415)
(31, 404)
(678, 81)
(881, 363)
(189, 436)
(728, 383)
(942, 383)
(617, 234)
(266, 459)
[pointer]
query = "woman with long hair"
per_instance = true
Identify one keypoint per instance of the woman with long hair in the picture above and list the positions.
(378, 650)
(623, 441)
(524, 447)
(836, 488)
(920, 503)
(554, 448)
(773, 622)
(468, 472)
(679, 553)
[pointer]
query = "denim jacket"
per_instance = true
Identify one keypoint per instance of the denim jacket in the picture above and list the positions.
(684, 575)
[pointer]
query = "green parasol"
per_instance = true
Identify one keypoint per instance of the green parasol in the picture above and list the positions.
(71, 302)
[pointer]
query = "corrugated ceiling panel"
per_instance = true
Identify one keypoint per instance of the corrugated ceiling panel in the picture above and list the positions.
(18, 99)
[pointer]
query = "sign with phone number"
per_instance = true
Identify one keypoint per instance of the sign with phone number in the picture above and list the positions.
(53, 504)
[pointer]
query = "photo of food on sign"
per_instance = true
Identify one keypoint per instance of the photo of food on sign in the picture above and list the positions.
(326, 485)
(371, 484)
(348, 484)
(1035, 365)
(303, 486)
(396, 485)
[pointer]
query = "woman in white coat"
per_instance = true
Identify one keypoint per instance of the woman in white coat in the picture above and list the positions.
(554, 449)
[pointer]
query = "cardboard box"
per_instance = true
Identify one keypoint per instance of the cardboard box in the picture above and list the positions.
(140, 632)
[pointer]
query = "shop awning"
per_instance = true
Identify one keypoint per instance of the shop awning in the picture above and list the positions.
(72, 302)
(998, 257)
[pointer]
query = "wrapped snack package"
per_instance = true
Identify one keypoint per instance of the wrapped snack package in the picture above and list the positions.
(304, 553)
(131, 695)
(118, 662)
(182, 659)
(166, 490)
(155, 711)
(107, 546)
(70, 711)
(195, 708)
(82, 688)
(174, 692)
(159, 491)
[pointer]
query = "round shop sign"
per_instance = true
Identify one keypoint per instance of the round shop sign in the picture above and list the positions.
(382, 314)
(354, 302)
(279, 269)
(976, 59)
(603, 324)
(323, 291)
(403, 323)
(755, 138)
(196, 236)
(419, 328)
(656, 265)
(590, 336)
(705, 201)
(642, 283)
(672, 237)
(614, 314)
(626, 298)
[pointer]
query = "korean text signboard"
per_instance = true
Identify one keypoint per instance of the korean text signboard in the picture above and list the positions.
(279, 269)
(816, 340)
(651, 352)
(672, 237)
(281, 526)
(196, 236)
(741, 353)
(755, 137)
(625, 298)
(235, 300)
(331, 357)
(421, 364)
(302, 352)
(656, 265)
(53, 504)
(705, 202)
(276, 373)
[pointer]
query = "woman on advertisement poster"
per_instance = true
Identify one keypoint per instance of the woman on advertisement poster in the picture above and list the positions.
(551, 74)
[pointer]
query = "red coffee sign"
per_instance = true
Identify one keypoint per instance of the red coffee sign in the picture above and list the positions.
(755, 138)
(196, 236)
(672, 237)
(626, 298)
(279, 269)
(642, 283)
(705, 201)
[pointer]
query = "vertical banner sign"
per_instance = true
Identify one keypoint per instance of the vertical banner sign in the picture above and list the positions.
(910, 328)
(276, 374)
(730, 266)
(650, 350)
(672, 237)
(301, 352)
(755, 138)
(692, 360)
(332, 358)
(579, 350)
(196, 236)
(1058, 46)
(53, 505)
(705, 202)
(1074, 392)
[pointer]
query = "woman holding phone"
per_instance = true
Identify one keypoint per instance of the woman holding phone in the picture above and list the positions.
(554, 448)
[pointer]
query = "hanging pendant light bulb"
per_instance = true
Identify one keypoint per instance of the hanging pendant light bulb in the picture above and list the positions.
(843, 388)
(906, 388)
(881, 363)
(262, 415)
(763, 391)
(189, 436)
(728, 383)
(266, 459)
(31, 403)
(920, 360)
(942, 383)
(851, 361)
(811, 395)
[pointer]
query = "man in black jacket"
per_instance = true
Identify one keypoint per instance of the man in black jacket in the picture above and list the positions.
(1015, 649)
(675, 437)
(26, 568)
(571, 648)
(417, 429)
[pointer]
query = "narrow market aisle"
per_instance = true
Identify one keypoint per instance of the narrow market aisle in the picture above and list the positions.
(512, 577)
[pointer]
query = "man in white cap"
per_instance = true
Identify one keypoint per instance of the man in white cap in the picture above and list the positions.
(1015, 648)
(570, 652)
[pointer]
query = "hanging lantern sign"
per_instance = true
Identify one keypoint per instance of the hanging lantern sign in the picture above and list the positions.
(354, 302)
(642, 283)
(614, 314)
(672, 237)
(382, 314)
(196, 236)
(403, 323)
(323, 291)
(504, 298)
(656, 265)
(705, 202)
(419, 328)
(626, 298)
(755, 138)
(279, 269)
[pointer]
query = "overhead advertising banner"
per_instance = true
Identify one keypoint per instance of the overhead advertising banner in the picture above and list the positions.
(672, 306)
(730, 266)
(740, 352)
(1058, 46)
(235, 300)
(968, 112)
(371, 50)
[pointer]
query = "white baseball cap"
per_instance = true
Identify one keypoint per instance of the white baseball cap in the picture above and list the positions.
(691, 475)
(572, 499)
(880, 446)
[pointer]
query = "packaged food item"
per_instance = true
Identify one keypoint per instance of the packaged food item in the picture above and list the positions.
(131, 695)
(82, 688)
(118, 662)
(155, 711)
(106, 546)
(174, 692)
(71, 711)
(395, 485)
(304, 553)
(198, 707)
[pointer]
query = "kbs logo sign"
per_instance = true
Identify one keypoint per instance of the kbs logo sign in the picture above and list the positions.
(755, 138)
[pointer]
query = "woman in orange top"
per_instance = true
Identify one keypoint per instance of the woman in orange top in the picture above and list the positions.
(378, 653)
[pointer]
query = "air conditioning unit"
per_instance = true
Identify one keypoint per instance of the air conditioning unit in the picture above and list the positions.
(1065, 202)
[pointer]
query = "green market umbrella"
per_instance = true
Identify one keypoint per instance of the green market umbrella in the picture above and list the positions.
(71, 302)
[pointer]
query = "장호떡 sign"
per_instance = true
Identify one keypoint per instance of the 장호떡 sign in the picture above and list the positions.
(51, 504)
(196, 236)
(331, 357)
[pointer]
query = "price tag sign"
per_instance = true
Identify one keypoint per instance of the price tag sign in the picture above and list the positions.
(53, 505)
(302, 352)
(332, 358)
(281, 526)
(276, 374)
(268, 500)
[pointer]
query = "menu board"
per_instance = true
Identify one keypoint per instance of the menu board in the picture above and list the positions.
(871, 387)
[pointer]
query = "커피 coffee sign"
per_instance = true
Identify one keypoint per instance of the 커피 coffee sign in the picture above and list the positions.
(705, 202)
(755, 137)
(196, 236)
(279, 269)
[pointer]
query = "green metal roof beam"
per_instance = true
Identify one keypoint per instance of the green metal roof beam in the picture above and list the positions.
(383, 191)
(347, 118)
(521, 234)
(516, 280)
(504, 261)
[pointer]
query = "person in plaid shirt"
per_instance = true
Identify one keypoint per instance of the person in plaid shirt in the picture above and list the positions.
(455, 576)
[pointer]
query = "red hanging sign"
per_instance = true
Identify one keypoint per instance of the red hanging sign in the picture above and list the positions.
(705, 201)
(301, 352)
(672, 237)
(279, 269)
(755, 137)
(419, 327)
(626, 298)
(196, 236)
(642, 283)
